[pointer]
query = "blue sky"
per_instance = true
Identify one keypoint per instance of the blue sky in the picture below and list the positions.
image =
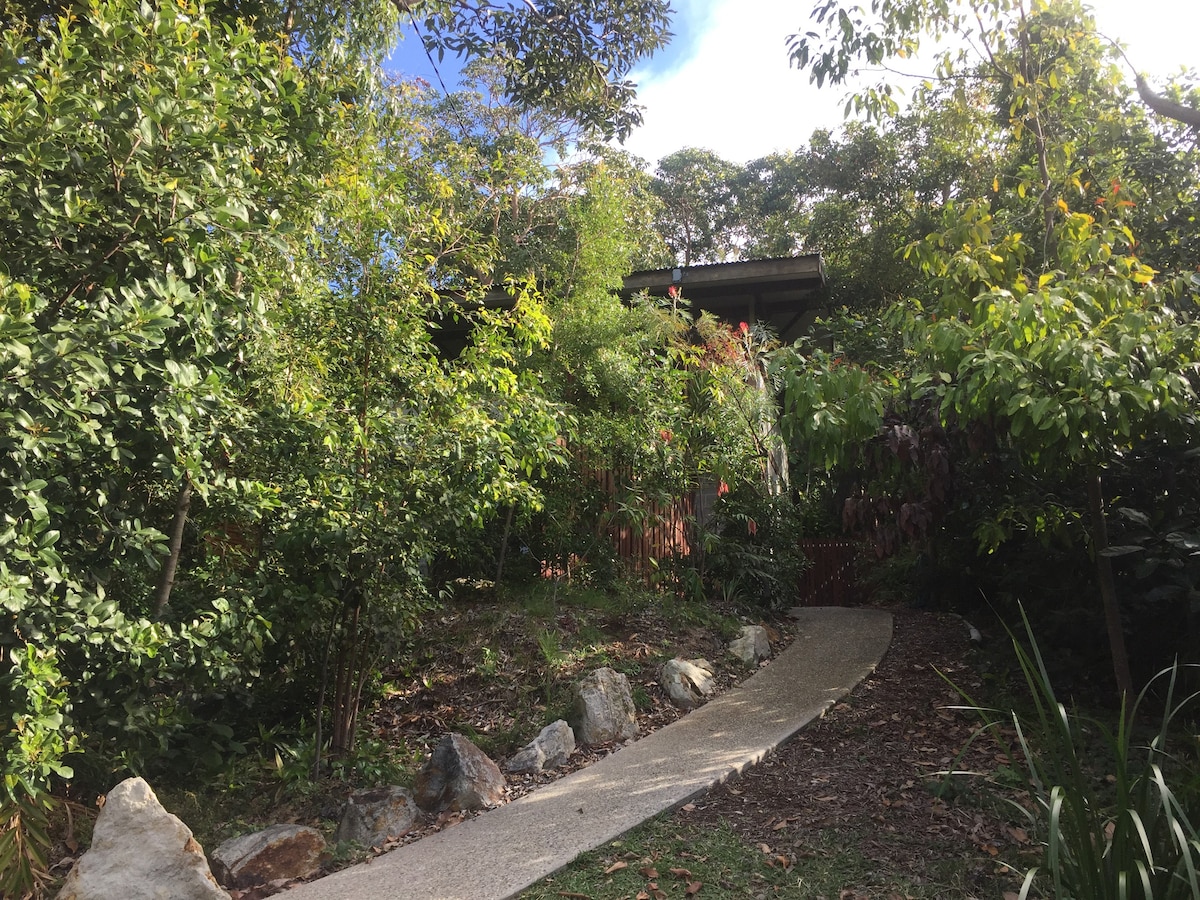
(724, 82)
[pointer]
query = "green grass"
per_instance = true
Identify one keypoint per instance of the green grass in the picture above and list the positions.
(672, 854)
(542, 599)
(715, 858)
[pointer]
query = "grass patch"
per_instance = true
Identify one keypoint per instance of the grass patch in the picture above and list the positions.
(668, 856)
(544, 598)
(671, 856)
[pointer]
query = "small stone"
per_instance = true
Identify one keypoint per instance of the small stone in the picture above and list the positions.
(687, 682)
(552, 747)
(372, 816)
(281, 852)
(140, 852)
(604, 708)
(752, 646)
(458, 777)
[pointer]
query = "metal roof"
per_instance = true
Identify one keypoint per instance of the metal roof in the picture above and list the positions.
(778, 292)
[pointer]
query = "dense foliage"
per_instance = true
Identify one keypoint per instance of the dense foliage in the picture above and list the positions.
(267, 325)
(288, 348)
(1047, 347)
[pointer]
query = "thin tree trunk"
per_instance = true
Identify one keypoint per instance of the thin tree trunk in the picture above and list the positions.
(365, 666)
(319, 737)
(504, 543)
(1047, 199)
(166, 579)
(345, 710)
(1108, 591)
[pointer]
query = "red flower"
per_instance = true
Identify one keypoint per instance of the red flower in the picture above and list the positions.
(665, 435)
(751, 527)
(743, 328)
(722, 489)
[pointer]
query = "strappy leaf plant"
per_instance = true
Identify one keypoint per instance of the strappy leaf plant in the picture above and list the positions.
(1115, 808)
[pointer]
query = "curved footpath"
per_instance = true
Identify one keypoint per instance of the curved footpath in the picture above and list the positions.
(505, 850)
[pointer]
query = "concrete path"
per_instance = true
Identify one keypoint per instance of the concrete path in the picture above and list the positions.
(502, 852)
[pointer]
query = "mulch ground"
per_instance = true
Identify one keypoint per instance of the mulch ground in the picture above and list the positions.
(867, 775)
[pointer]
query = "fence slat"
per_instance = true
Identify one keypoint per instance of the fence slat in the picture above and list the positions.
(829, 580)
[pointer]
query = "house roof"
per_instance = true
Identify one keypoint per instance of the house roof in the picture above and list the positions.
(783, 293)
(779, 292)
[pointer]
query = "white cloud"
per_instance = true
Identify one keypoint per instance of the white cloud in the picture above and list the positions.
(729, 88)
(734, 92)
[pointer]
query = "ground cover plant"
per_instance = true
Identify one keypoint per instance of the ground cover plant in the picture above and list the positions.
(494, 668)
(1114, 803)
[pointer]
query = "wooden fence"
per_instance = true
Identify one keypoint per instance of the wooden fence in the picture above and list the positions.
(667, 531)
(829, 580)
(657, 531)
(663, 529)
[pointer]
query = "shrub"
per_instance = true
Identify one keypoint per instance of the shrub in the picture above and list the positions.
(1110, 822)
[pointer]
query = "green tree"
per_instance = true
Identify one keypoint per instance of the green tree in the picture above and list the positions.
(574, 58)
(849, 35)
(151, 158)
(700, 216)
(216, 358)
(855, 196)
(569, 58)
(1039, 323)
(405, 451)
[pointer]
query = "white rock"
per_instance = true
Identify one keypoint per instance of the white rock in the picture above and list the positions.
(552, 747)
(752, 647)
(604, 708)
(140, 852)
(687, 682)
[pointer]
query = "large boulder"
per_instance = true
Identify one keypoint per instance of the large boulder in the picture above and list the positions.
(552, 747)
(281, 852)
(752, 646)
(458, 777)
(140, 852)
(687, 681)
(604, 708)
(372, 816)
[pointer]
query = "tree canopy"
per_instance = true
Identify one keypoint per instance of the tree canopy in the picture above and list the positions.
(232, 446)
(1050, 340)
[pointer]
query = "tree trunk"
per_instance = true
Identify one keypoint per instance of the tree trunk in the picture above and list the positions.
(320, 709)
(345, 690)
(504, 544)
(166, 579)
(1108, 591)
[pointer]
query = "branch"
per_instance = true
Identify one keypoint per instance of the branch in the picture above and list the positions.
(1164, 106)
(1167, 107)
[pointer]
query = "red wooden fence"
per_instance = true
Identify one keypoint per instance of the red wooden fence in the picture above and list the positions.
(663, 530)
(829, 579)
(666, 530)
